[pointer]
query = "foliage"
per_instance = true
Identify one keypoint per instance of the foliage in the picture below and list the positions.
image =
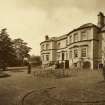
(21, 49)
(35, 60)
(7, 53)
(12, 52)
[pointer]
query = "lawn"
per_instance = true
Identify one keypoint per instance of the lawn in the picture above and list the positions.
(79, 88)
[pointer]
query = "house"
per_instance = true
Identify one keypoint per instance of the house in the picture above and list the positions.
(82, 47)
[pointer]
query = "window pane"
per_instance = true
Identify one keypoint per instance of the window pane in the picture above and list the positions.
(42, 47)
(63, 56)
(83, 52)
(70, 55)
(58, 45)
(75, 37)
(83, 36)
(43, 57)
(47, 57)
(75, 53)
(58, 56)
(70, 38)
(47, 46)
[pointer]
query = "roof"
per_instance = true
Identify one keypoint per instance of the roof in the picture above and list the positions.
(53, 38)
(62, 37)
(50, 39)
(87, 25)
(81, 27)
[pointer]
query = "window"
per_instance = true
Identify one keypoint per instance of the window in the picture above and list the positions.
(47, 57)
(42, 47)
(58, 55)
(42, 57)
(75, 37)
(75, 53)
(83, 35)
(47, 46)
(70, 38)
(63, 56)
(66, 55)
(75, 64)
(83, 52)
(59, 45)
(70, 54)
(66, 41)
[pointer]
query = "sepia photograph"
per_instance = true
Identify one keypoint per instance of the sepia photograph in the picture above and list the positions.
(52, 52)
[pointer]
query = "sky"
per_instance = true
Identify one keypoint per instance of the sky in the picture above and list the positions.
(31, 20)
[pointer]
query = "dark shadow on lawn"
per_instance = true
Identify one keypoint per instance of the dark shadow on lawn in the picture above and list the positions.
(101, 82)
(64, 76)
(17, 70)
(4, 75)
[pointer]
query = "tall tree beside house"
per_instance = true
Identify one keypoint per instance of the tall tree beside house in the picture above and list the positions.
(7, 53)
(22, 50)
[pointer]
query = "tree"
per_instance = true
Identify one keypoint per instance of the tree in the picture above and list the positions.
(22, 49)
(7, 53)
(35, 60)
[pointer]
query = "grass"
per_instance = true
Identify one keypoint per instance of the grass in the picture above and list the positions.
(82, 86)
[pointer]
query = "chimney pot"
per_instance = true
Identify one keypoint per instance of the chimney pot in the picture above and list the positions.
(46, 37)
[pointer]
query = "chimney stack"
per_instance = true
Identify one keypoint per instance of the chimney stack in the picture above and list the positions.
(101, 20)
(46, 37)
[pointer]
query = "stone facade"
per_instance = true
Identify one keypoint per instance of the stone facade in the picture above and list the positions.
(82, 47)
